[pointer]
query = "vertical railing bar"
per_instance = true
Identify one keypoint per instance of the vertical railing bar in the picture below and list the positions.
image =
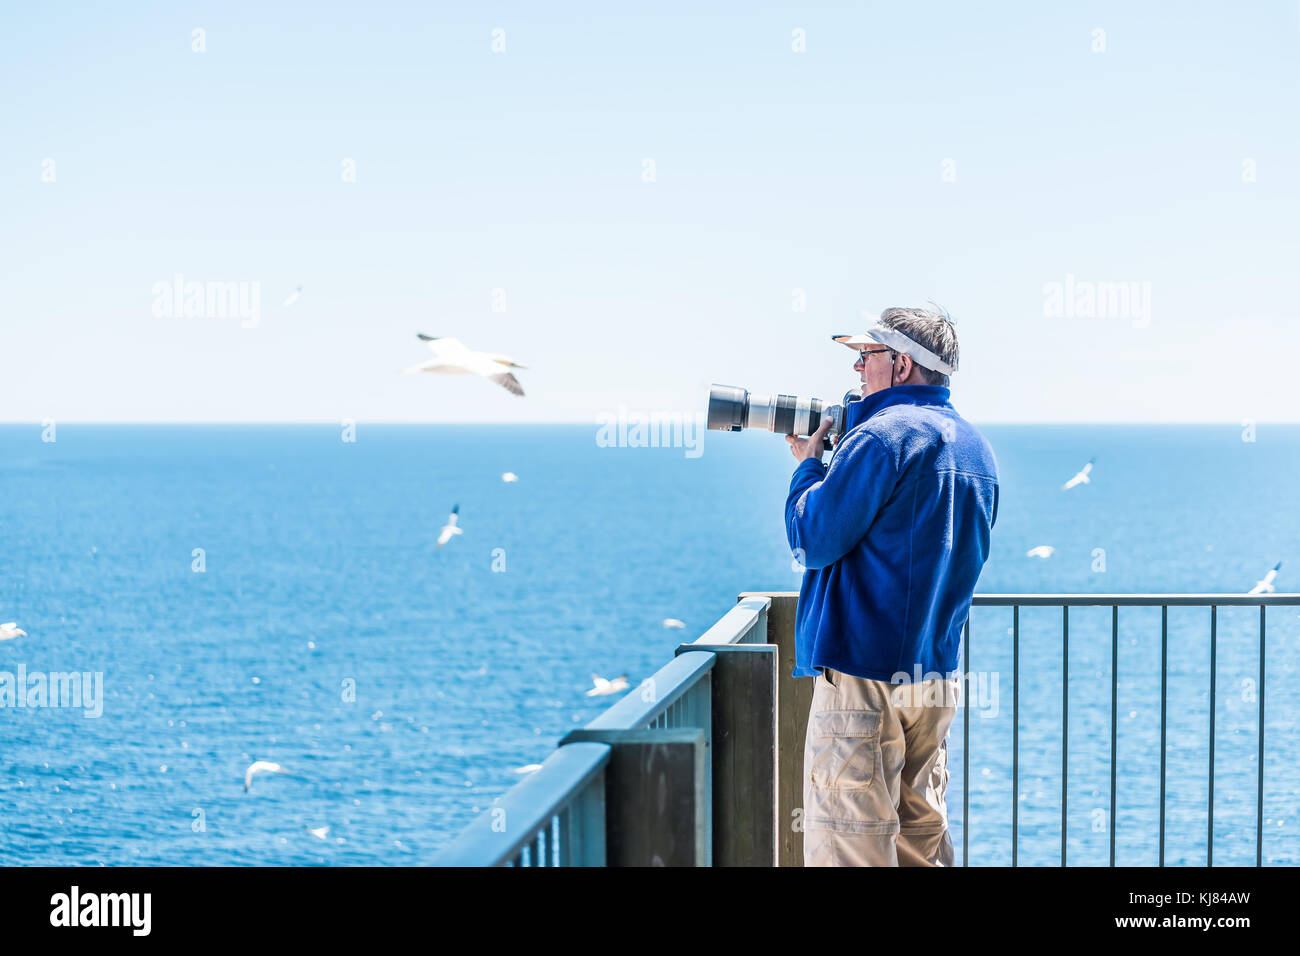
(1164, 681)
(565, 820)
(1209, 832)
(1015, 732)
(1259, 794)
(965, 748)
(1114, 709)
(1065, 721)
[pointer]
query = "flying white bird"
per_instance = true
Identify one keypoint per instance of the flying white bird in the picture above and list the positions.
(1261, 587)
(258, 766)
(293, 296)
(509, 476)
(1042, 551)
(604, 687)
(673, 622)
(453, 358)
(528, 768)
(450, 528)
(11, 630)
(1081, 478)
(319, 833)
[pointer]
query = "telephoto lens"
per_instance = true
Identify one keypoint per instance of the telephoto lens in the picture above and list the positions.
(732, 409)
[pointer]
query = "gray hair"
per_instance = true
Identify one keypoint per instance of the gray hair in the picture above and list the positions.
(934, 330)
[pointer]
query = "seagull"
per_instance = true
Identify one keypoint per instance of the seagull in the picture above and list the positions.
(1261, 587)
(1042, 551)
(293, 297)
(673, 622)
(1081, 478)
(11, 630)
(258, 766)
(509, 476)
(604, 687)
(453, 358)
(450, 527)
(319, 833)
(528, 768)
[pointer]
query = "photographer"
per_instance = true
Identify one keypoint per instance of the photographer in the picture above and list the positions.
(893, 535)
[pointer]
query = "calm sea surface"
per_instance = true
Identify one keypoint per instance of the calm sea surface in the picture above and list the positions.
(401, 684)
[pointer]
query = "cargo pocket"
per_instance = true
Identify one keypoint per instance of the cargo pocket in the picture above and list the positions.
(845, 749)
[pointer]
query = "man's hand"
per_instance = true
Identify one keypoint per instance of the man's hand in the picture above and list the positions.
(810, 447)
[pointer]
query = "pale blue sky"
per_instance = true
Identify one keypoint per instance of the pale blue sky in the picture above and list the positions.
(522, 171)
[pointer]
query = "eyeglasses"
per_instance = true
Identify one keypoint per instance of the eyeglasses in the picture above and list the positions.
(863, 353)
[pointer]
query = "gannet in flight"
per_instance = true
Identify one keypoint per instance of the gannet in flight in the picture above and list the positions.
(450, 527)
(509, 476)
(1081, 478)
(11, 630)
(453, 358)
(258, 766)
(293, 296)
(319, 833)
(1261, 587)
(528, 768)
(604, 687)
(673, 622)
(1042, 551)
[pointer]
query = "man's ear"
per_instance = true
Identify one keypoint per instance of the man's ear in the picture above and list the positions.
(902, 367)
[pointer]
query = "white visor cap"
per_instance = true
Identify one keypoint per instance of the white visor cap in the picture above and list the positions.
(892, 338)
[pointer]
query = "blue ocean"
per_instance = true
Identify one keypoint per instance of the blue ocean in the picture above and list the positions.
(276, 593)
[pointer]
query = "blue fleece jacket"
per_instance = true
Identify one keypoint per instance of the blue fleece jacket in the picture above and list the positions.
(893, 535)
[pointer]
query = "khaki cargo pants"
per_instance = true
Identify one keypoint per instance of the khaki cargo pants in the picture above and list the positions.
(875, 772)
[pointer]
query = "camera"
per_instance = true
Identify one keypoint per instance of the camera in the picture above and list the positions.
(732, 409)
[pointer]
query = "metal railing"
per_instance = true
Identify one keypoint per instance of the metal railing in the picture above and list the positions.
(1115, 602)
(558, 816)
(581, 808)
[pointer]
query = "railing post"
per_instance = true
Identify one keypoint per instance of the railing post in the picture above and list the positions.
(1114, 705)
(1259, 794)
(1164, 681)
(1015, 733)
(965, 746)
(744, 701)
(1214, 638)
(1065, 723)
(656, 808)
(793, 702)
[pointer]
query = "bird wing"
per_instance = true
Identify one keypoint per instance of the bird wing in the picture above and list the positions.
(443, 346)
(440, 366)
(507, 381)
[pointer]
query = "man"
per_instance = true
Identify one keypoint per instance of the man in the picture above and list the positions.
(893, 535)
